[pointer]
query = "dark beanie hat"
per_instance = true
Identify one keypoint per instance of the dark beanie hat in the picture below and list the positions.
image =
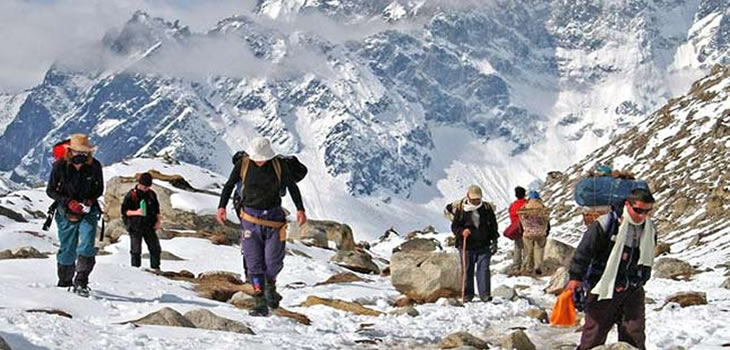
(520, 192)
(145, 179)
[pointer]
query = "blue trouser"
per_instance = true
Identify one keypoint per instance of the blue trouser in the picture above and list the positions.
(262, 248)
(478, 258)
(76, 238)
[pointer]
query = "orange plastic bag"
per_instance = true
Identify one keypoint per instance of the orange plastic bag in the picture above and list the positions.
(564, 310)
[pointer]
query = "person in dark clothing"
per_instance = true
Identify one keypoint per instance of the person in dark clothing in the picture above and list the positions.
(612, 263)
(263, 220)
(141, 214)
(75, 184)
(475, 220)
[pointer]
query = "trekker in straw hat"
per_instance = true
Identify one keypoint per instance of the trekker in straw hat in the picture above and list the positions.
(76, 183)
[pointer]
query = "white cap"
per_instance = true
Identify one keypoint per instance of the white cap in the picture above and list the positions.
(259, 150)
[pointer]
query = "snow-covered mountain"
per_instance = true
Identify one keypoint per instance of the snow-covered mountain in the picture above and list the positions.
(392, 104)
(682, 150)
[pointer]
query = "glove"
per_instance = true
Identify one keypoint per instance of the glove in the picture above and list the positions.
(75, 206)
(493, 248)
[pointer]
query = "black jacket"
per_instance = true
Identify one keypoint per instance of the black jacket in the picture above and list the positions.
(132, 202)
(481, 237)
(591, 256)
(261, 190)
(66, 183)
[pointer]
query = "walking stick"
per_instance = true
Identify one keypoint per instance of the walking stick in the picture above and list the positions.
(463, 271)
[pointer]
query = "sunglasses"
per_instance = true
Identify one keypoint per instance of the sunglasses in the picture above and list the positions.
(641, 211)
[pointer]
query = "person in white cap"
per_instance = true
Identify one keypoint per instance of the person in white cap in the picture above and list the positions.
(475, 227)
(263, 220)
(75, 184)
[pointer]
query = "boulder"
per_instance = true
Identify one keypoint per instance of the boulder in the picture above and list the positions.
(505, 292)
(165, 317)
(426, 277)
(685, 299)
(242, 300)
(418, 245)
(205, 319)
(557, 253)
(558, 281)
(176, 223)
(355, 260)
(726, 284)
(461, 339)
(672, 268)
(22, 253)
(517, 340)
(340, 234)
(662, 248)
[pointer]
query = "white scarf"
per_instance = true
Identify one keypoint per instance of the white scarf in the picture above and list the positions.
(468, 207)
(604, 288)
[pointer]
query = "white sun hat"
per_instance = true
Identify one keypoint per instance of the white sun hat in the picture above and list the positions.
(259, 150)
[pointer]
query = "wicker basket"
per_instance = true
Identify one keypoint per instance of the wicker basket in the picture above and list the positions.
(534, 222)
(590, 214)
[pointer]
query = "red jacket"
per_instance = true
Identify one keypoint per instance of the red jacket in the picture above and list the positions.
(514, 207)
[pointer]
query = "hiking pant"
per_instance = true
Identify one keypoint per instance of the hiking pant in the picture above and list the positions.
(517, 253)
(478, 260)
(76, 238)
(263, 250)
(625, 309)
(534, 249)
(153, 245)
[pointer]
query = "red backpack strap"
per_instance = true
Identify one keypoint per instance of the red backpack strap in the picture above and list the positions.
(133, 195)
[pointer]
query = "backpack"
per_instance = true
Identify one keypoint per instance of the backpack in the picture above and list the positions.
(59, 150)
(297, 171)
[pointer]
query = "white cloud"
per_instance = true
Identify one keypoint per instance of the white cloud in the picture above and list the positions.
(34, 33)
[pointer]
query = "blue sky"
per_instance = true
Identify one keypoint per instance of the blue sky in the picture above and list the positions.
(33, 33)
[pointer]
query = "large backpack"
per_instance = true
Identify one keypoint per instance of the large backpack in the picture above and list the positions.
(298, 172)
(605, 190)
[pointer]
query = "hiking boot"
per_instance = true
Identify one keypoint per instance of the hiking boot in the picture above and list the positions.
(136, 260)
(82, 291)
(65, 275)
(272, 297)
(260, 308)
(468, 298)
(485, 298)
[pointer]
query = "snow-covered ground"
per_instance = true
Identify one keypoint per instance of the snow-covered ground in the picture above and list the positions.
(122, 293)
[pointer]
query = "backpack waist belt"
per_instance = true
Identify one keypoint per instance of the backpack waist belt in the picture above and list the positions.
(281, 226)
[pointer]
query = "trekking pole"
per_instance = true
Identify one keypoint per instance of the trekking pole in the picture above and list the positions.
(463, 271)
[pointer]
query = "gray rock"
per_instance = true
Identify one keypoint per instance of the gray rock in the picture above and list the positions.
(418, 245)
(726, 284)
(355, 260)
(322, 231)
(205, 319)
(408, 310)
(4, 345)
(518, 340)
(461, 339)
(165, 317)
(558, 252)
(505, 292)
(6, 254)
(426, 277)
(671, 268)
